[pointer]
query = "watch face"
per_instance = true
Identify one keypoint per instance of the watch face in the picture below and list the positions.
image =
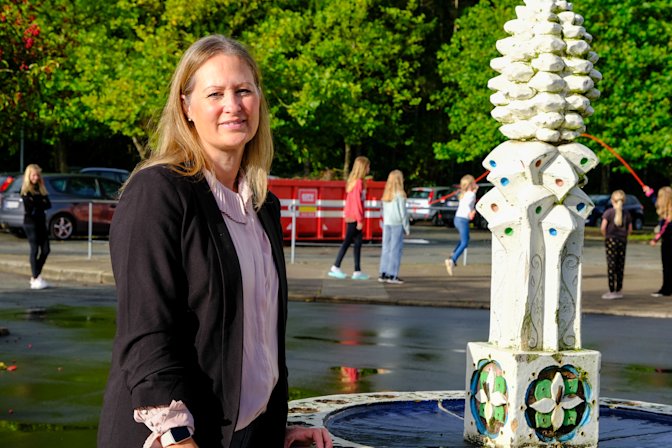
(180, 433)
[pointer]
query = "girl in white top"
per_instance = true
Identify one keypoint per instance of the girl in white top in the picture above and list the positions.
(395, 225)
(464, 214)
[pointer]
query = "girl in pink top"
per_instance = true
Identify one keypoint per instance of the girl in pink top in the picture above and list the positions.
(354, 219)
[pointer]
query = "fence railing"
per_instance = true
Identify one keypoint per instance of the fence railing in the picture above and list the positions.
(90, 205)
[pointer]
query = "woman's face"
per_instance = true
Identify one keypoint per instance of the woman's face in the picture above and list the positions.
(34, 177)
(224, 104)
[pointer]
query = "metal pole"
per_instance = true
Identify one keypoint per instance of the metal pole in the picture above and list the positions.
(90, 228)
(21, 152)
(292, 207)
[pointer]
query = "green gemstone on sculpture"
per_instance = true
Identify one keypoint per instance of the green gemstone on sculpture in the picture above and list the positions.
(500, 384)
(543, 420)
(584, 161)
(571, 386)
(537, 210)
(543, 389)
(508, 231)
(570, 417)
(498, 413)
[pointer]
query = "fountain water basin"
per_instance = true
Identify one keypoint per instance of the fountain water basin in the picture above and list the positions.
(435, 419)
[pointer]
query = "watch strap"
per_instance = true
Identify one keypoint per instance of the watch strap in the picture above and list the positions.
(175, 435)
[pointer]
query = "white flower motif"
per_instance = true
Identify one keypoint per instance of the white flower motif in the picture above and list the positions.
(557, 403)
(490, 397)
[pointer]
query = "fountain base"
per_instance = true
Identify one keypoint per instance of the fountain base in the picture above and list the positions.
(435, 419)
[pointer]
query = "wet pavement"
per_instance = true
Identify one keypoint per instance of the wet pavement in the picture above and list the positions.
(427, 283)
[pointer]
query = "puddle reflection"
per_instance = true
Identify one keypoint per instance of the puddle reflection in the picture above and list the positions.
(351, 377)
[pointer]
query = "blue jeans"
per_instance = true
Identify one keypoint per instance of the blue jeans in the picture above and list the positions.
(462, 226)
(393, 246)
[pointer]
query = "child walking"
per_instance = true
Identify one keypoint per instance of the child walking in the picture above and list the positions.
(664, 210)
(35, 202)
(354, 219)
(395, 225)
(616, 227)
(466, 210)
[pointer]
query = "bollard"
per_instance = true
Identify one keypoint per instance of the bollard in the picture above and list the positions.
(90, 229)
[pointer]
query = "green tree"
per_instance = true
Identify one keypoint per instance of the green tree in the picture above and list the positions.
(633, 115)
(130, 48)
(463, 65)
(341, 74)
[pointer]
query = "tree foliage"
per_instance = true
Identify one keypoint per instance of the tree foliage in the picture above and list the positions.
(401, 81)
(633, 114)
(341, 74)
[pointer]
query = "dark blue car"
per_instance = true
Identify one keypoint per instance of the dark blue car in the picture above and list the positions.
(603, 202)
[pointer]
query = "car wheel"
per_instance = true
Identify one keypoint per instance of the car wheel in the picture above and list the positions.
(638, 223)
(62, 227)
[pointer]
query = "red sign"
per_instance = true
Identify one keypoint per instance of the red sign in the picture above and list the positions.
(307, 202)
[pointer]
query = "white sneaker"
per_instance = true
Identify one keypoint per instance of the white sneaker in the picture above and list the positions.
(39, 283)
(337, 273)
(359, 275)
(609, 296)
(450, 264)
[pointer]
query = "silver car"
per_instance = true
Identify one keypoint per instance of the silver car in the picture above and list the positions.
(70, 196)
(423, 203)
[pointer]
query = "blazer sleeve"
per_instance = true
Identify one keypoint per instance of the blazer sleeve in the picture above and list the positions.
(145, 247)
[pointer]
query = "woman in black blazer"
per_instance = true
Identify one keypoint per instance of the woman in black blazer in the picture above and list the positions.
(196, 247)
(36, 203)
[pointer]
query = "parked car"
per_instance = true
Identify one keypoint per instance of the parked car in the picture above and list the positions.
(603, 202)
(6, 180)
(118, 174)
(70, 195)
(422, 203)
(448, 207)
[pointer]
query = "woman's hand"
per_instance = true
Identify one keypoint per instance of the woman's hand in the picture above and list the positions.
(360, 225)
(652, 243)
(302, 436)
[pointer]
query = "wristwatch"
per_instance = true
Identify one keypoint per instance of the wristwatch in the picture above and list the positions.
(175, 435)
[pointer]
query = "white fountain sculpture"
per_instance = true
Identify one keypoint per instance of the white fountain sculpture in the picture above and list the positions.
(532, 384)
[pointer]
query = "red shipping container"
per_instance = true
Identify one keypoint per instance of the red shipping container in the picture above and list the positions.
(319, 208)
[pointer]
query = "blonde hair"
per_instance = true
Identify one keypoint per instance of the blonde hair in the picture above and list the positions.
(617, 200)
(466, 182)
(358, 172)
(176, 142)
(664, 203)
(394, 186)
(27, 187)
